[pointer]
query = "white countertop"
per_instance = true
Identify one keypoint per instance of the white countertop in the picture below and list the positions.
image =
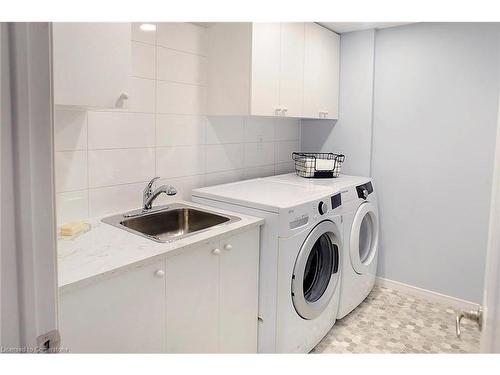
(107, 249)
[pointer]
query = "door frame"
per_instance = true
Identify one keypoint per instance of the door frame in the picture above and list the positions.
(31, 235)
(490, 336)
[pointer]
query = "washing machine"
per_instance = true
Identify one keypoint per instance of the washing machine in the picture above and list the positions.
(361, 233)
(301, 253)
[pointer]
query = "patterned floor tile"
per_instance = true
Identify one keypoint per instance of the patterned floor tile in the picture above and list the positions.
(390, 321)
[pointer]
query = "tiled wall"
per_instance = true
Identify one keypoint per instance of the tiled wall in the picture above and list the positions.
(104, 158)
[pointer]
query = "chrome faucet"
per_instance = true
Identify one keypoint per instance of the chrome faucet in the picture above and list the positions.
(149, 195)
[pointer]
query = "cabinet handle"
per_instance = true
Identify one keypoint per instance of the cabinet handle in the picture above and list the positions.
(159, 274)
(216, 251)
(228, 247)
(283, 111)
(277, 111)
(124, 95)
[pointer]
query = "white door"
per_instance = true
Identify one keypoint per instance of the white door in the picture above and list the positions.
(266, 39)
(91, 63)
(239, 285)
(122, 314)
(316, 273)
(28, 230)
(292, 69)
(364, 238)
(490, 337)
(193, 300)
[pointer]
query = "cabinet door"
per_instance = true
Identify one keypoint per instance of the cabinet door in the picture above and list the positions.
(321, 72)
(331, 69)
(121, 314)
(265, 68)
(239, 270)
(292, 69)
(91, 63)
(193, 300)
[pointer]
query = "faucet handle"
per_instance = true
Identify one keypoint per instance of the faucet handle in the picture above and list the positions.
(149, 187)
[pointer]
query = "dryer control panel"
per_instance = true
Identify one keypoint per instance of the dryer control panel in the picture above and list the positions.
(364, 190)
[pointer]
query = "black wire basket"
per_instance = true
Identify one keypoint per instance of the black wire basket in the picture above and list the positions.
(317, 164)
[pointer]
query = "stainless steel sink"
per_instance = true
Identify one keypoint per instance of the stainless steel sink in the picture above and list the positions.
(169, 223)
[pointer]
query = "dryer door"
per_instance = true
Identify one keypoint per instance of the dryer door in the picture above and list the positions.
(364, 238)
(316, 272)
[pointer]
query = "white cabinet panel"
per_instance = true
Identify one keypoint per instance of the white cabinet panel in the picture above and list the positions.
(266, 39)
(193, 300)
(321, 72)
(212, 296)
(91, 63)
(292, 68)
(125, 313)
(273, 69)
(239, 269)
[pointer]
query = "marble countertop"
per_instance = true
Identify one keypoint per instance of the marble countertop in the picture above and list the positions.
(106, 249)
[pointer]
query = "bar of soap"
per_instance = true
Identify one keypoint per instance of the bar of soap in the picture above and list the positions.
(72, 229)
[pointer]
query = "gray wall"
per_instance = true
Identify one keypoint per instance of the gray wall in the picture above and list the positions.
(434, 122)
(351, 134)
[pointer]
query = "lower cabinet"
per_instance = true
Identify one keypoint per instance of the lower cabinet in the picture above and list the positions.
(212, 296)
(202, 300)
(124, 313)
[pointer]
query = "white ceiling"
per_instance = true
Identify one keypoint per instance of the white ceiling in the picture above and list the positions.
(345, 27)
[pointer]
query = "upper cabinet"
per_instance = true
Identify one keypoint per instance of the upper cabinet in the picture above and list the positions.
(321, 72)
(91, 64)
(263, 69)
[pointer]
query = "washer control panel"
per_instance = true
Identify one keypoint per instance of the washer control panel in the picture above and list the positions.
(322, 208)
(336, 200)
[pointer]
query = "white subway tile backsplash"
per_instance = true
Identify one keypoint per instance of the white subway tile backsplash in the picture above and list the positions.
(180, 161)
(72, 206)
(115, 199)
(282, 168)
(287, 129)
(259, 154)
(259, 129)
(120, 130)
(225, 130)
(120, 166)
(255, 172)
(183, 185)
(225, 157)
(179, 98)
(143, 60)
(183, 37)
(178, 66)
(141, 95)
(224, 177)
(105, 157)
(180, 130)
(71, 170)
(70, 130)
(285, 149)
(140, 35)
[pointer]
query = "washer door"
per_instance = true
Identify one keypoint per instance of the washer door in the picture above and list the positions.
(364, 238)
(316, 272)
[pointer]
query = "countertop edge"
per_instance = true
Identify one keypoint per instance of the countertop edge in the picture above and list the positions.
(245, 223)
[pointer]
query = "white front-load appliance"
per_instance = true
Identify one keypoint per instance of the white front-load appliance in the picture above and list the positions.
(361, 233)
(301, 254)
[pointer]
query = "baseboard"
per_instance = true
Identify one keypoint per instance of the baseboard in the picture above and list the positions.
(429, 295)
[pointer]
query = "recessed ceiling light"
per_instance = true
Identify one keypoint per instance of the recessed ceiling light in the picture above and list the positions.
(148, 27)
